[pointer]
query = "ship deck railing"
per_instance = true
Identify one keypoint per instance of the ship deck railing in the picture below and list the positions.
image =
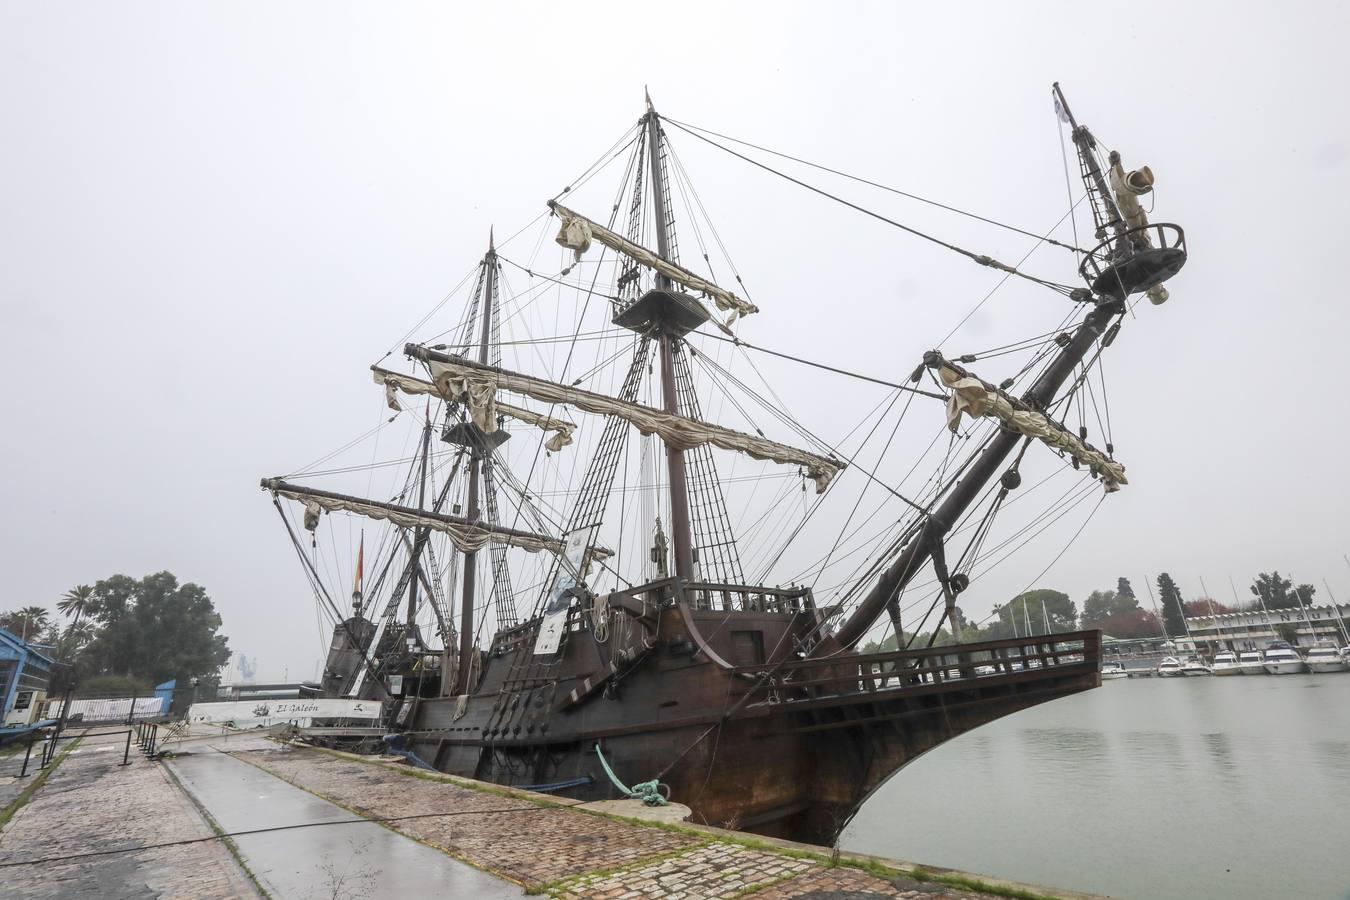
(703, 595)
(927, 667)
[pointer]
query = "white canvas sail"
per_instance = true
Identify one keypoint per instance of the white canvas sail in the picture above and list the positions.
(577, 232)
(975, 398)
(394, 384)
(478, 386)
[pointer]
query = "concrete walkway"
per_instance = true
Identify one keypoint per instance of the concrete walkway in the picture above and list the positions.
(322, 861)
(92, 830)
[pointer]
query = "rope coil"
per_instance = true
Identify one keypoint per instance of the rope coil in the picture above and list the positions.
(649, 792)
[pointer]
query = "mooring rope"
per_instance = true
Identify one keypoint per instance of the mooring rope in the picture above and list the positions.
(649, 792)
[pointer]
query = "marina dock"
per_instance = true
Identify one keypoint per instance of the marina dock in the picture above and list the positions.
(244, 816)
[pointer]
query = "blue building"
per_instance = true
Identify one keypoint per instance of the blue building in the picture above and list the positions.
(25, 672)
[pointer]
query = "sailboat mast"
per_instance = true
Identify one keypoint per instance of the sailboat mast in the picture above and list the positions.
(680, 538)
(466, 628)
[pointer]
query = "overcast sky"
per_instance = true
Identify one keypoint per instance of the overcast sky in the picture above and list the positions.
(214, 217)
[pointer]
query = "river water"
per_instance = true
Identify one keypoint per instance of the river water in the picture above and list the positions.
(1233, 787)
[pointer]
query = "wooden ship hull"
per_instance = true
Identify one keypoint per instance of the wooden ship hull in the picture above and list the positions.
(789, 749)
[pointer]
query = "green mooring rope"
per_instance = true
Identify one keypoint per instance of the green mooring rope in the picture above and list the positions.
(649, 792)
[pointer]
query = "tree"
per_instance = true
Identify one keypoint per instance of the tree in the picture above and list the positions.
(1034, 608)
(154, 628)
(1277, 592)
(1206, 606)
(1103, 606)
(76, 602)
(28, 623)
(1173, 616)
(1135, 623)
(1123, 588)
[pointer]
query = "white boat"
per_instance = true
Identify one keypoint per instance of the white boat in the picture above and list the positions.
(1250, 662)
(1169, 667)
(1193, 667)
(1226, 663)
(1282, 659)
(1326, 658)
(1114, 670)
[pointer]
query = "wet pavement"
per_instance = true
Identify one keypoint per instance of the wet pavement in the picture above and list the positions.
(99, 829)
(346, 860)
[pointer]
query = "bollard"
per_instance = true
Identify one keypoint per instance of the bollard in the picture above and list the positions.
(27, 753)
(127, 752)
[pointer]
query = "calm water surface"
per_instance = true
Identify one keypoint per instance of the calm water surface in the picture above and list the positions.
(1233, 787)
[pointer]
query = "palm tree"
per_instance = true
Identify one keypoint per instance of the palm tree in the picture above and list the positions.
(32, 619)
(77, 601)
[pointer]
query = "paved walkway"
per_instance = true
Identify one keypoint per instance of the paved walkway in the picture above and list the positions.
(492, 841)
(91, 803)
(325, 860)
(568, 852)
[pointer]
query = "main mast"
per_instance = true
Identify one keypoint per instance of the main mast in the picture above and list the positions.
(680, 532)
(476, 449)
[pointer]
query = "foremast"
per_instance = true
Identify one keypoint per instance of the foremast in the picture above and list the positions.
(1125, 263)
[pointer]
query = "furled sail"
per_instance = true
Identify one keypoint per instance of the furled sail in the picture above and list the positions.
(1128, 188)
(394, 383)
(468, 537)
(478, 385)
(577, 232)
(974, 397)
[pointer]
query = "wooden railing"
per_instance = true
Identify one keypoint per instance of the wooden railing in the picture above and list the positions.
(869, 672)
(748, 598)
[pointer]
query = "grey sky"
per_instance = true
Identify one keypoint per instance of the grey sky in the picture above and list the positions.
(215, 217)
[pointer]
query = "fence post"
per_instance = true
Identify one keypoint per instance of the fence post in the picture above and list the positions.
(26, 754)
(127, 752)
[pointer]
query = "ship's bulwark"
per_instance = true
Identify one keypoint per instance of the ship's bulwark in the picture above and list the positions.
(795, 759)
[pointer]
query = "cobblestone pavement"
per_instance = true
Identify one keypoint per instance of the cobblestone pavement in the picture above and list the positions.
(571, 853)
(90, 804)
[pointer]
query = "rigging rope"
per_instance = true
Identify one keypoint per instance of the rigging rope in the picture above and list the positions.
(869, 183)
(980, 258)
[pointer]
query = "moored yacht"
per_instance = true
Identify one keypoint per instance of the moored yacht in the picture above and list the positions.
(1326, 658)
(1250, 662)
(1282, 659)
(1114, 670)
(1226, 663)
(1169, 667)
(1194, 666)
